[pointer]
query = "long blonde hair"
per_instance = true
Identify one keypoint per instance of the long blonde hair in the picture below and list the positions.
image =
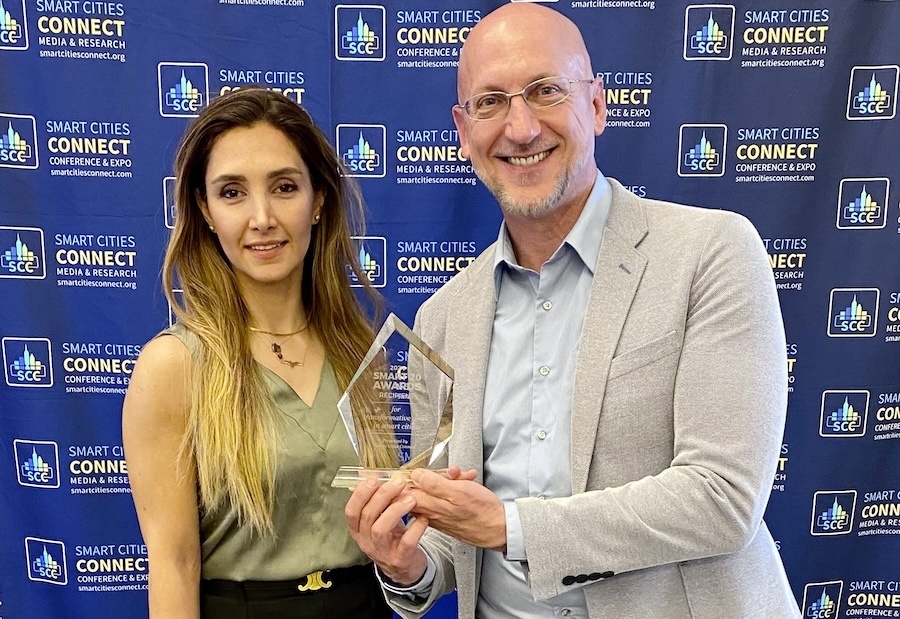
(231, 423)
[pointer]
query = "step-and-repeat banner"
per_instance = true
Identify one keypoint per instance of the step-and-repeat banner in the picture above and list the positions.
(783, 111)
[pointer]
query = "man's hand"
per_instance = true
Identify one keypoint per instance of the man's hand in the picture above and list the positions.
(375, 516)
(460, 507)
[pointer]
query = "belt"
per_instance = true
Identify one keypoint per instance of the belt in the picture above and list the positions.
(307, 585)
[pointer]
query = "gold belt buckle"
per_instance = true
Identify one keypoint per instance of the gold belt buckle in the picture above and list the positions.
(314, 582)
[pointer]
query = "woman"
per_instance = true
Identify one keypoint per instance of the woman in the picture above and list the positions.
(230, 421)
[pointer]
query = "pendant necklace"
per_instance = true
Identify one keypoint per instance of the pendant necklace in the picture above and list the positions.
(276, 347)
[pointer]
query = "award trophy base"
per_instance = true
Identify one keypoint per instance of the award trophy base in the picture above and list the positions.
(351, 476)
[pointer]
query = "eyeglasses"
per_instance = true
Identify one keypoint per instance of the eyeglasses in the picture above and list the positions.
(545, 92)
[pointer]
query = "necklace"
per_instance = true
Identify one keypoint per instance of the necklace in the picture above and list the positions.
(274, 334)
(276, 346)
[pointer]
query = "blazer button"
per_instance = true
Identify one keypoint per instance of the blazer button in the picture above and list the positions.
(607, 575)
(581, 578)
(568, 580)
(595, 576)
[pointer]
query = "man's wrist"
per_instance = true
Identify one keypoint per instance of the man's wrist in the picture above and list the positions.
(406, 578)
(400, 581)
(419, 589)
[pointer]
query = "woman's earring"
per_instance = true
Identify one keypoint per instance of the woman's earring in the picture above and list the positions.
(212, 229)
(316, 218)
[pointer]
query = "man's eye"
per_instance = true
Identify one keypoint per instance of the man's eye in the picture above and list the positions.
(546, 92)
(487, 101)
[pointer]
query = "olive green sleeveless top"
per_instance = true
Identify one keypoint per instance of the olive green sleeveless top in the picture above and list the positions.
(310, 529)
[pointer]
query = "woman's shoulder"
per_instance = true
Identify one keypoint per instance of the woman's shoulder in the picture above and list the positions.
(181, 333)
(166, 348)
(161, 372)
(174, 344)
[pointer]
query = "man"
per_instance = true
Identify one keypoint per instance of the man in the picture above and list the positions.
(621, 379)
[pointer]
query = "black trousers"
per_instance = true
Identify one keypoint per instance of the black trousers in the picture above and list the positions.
(354, 593)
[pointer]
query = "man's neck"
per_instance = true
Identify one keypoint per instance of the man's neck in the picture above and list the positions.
(535, 239)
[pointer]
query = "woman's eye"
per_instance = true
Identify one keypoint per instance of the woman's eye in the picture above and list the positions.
(287, 187)
(228, 193)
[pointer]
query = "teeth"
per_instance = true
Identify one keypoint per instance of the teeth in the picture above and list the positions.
(529, 160)
(265, 247)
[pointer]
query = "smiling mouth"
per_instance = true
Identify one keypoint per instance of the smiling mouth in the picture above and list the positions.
(267, 246)
(531, 160)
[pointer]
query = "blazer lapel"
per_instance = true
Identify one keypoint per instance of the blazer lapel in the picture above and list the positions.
(470, 326)
(616, 277)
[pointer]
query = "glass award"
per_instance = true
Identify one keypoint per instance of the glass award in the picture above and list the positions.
(398, 408)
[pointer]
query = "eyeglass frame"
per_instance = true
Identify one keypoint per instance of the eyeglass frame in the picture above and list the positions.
(509, 96)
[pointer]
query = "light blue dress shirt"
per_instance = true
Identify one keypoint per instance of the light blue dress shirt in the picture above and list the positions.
(528, 404)
(528, 400)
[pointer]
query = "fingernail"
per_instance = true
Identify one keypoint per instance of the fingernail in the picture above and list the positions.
(370, 483)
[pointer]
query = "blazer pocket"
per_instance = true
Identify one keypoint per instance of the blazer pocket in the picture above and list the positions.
(645, 354)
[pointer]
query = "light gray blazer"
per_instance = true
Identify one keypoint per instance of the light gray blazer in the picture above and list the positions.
(677, 417)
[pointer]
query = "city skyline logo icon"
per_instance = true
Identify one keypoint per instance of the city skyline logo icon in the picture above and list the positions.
(844, 413)
(708, 32)
(701, 150)
(873, 92)
(46, 560)
(822, 600)
(22, 253)
(832, 512)
(169, 201)
(18, 141)
(372, 261)
(13, 33)
(359, 32)
(27, 362)
(37, 463)
(853, 312)
(183, 88)
(361, 148)
(862, 203)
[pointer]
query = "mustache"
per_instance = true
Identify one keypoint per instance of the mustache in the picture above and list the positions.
(525, 150)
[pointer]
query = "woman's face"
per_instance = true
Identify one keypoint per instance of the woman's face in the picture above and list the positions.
(260, 200)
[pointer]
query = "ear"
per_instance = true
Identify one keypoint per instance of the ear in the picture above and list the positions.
(598, 100)
(459, 119)
(318, 204)
(204, 207)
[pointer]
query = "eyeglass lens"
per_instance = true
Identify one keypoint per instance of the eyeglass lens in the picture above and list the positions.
(540, 93)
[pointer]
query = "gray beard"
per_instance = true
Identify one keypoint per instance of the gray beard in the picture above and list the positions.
(533, 208)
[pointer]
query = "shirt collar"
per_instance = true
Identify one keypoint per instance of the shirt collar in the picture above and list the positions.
(584, 237)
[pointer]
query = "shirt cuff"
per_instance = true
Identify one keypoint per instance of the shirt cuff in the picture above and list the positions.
(419, 589)
(515, 540)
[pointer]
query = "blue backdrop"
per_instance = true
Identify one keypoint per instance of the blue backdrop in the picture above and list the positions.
(784, 114)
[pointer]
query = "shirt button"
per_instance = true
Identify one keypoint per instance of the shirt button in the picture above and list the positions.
(544, 370)
(565, 612)
(542, 497)
(541, 435)
(547, 305)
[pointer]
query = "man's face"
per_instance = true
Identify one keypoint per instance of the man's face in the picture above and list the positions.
(533, 161)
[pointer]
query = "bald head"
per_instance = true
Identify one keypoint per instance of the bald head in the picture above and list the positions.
(512, 27)
(537, 160)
